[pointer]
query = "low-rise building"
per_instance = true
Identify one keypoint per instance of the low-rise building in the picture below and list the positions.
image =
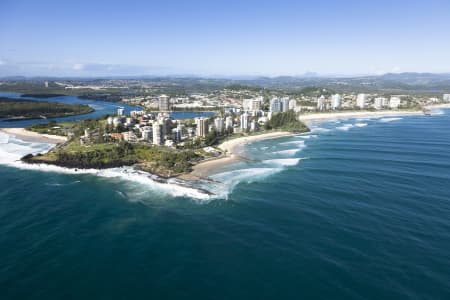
(129, 137)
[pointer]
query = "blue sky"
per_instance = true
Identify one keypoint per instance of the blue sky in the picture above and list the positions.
(97, 38)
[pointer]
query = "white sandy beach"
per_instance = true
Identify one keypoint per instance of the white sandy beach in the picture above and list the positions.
(230, 146)
(34, 137)
(205, 168)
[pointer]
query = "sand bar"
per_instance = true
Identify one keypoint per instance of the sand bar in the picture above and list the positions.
(33, 137)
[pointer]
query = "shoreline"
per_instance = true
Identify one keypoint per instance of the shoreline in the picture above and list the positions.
(33, 137)
(205, 168)
(229, 146)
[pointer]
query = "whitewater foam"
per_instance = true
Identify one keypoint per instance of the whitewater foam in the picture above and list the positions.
(386, 120)
(345, 127)
(228, 180)
(320, 129)
(63, 184)
(4, 138)
(282, 162)
(14, 149)
(300, 144)
(436, 112)
(306, 137)
(222, 184)
(289, 152)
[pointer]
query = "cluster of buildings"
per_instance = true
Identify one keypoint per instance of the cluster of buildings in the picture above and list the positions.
(239, 115)
(283, 104)
(138, 126)
(230, 124)
(253, 102)
(160, 129)
(360, 101)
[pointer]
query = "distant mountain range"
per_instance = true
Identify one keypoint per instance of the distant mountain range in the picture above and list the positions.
(389, 83)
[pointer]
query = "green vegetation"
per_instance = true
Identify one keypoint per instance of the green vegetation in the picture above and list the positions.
(161, 161)
(102, 152)
(286, 121)
(37, 89)
(28, 109)
(165, 162)
(311, 91)
(53, 128)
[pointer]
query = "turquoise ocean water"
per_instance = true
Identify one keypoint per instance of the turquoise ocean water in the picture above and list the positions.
(357, 209)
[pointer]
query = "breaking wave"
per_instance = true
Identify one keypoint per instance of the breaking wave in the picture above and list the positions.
(280, 156)
(306, 137)
(226, 181)
(320, 129)
(300, 144)
(12, 150)
(282, 162)
(345, 127)
(290, 152)
(386, 120)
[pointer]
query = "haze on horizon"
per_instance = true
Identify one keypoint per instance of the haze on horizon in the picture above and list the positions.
(103, 38)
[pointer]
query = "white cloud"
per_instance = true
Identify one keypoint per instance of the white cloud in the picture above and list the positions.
(395, 69)
(78, 67)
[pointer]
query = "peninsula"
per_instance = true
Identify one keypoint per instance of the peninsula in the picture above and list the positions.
(155, 143)
(14, 109)
(153, 139)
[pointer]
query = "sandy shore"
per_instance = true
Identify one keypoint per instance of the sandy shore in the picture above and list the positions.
(230, 148)
(33, 137)
(314, 117)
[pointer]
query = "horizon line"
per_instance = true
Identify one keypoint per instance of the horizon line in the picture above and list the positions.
(219, 76)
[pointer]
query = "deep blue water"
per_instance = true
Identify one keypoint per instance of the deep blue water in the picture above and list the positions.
(101, 108)
(365, 215)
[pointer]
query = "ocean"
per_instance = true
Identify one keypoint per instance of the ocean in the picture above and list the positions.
(355, 209)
